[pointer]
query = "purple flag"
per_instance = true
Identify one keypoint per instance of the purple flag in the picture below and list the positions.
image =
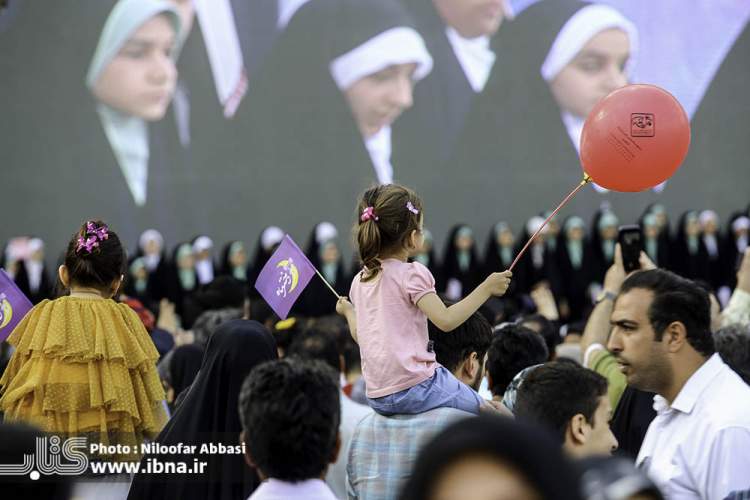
(13, 305)
(284, 276)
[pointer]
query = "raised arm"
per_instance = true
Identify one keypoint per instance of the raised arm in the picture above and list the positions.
(448, 318)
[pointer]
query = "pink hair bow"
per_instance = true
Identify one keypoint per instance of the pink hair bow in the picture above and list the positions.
(367, 214)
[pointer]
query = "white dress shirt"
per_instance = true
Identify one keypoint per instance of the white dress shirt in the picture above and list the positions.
(310, 489)
(699, 447)
(474, 55)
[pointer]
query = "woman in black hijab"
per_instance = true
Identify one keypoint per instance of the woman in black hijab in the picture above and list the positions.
(183, 368)
(461, 271)
(500, 458)
(687, 252)
(182, 281)
(234, 261)
(500, 252)
(323, 252)
(267, 243)
(209, 414)
(574, 266)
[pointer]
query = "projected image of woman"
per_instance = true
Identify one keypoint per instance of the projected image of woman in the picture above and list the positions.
(132, 75)
(555, 61)
(316, 125)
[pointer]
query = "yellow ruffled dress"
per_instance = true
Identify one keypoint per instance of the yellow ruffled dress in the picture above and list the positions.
(85, 367)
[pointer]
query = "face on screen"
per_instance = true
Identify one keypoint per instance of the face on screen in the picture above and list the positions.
(472, 18)
(597, 70)
(378, 99)
(141, 78)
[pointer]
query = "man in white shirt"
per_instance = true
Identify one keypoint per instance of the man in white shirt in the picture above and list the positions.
(290, 415)
(698, 446)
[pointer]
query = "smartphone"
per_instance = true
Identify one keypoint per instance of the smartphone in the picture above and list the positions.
(631, 244)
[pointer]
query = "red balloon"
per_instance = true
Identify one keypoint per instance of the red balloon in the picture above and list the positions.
(635, 138)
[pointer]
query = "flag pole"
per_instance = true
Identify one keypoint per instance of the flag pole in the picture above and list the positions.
(586, 180)
(327, 284)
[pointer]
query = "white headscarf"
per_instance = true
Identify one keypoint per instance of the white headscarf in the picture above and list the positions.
(575, 33)
(399, 45)
(127, 134)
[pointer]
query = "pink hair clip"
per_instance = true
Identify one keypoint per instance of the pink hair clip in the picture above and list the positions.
(367, 214)
(90, 240)
(411, 208)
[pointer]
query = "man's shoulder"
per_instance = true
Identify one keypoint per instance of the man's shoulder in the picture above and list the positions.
(381, 426)
(728, 401)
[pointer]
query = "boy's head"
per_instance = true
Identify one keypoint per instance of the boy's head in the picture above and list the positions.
(94, 258)
(572, 403)
(290, 414)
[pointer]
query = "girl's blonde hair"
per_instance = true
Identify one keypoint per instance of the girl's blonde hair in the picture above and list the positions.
(386, 216)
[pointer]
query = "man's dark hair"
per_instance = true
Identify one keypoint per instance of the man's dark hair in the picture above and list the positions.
(514, 348)
(290, 414)
(555, 392)
(547, 329)
(451, 348)
(676, 299)
(316, 344)
(733, 345)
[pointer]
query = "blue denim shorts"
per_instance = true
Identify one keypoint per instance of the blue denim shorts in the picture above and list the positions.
(442, 390)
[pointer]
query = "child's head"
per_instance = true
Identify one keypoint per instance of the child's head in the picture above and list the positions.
(389, 221)
(95, 258)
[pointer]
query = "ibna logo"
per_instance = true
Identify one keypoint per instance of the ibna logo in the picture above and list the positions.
(47, 459)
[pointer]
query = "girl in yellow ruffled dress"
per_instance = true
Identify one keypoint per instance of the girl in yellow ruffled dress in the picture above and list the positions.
(84, 364)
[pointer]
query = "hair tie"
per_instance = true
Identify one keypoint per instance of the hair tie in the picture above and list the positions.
(367, 214)
(411, 208)
(91, 237)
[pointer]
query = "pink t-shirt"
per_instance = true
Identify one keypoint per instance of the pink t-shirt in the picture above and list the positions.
(391, 329)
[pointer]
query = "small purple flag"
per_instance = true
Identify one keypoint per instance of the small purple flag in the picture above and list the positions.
(284, 276)
(13, 305)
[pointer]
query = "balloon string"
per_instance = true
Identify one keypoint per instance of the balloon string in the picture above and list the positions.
(586, 180)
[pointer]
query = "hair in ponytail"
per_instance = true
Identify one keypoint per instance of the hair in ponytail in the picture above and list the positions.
(95, 257)
(386, 216)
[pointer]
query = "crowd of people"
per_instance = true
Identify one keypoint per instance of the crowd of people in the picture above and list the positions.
(405, 393)
(426, 374)
(569, 259)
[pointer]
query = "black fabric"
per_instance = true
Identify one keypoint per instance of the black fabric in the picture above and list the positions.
(184, 366)
(468, 278)
(209, 414)
(664, 240)
(599, 262)
(493, 262)
(19, 441)
(528, 275)
(46, 285)
(574, 282)
(682, 261)
(225, 267)
(176, 294)
(731, 256)
(424, 137)
(631, 419)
